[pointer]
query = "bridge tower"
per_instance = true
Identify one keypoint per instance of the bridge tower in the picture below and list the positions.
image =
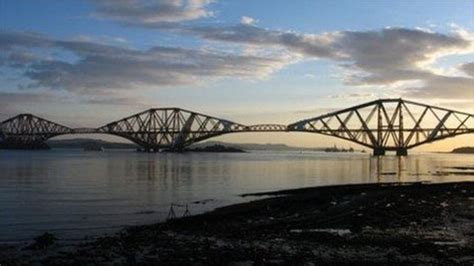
(26, 131)
(169, 129)
(389, 125)
(390, 120)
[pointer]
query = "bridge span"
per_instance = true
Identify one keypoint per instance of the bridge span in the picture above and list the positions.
(381, 125)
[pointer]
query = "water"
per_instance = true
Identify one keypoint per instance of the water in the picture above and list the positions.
(73, 193)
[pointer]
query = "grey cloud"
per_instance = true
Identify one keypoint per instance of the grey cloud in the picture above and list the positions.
(9, 97)
(9, 40)
(11, 103)
(380, 57)
(113, 101)
(444, 87)
(468, 68)
(377, 57)
(392, 55)
(102, 66)
(385, 56)
(312, 45)
(16, 59)
(144, 12)
(353, 95)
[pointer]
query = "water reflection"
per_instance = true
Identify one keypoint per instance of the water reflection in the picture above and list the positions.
(387, 169)
(74, 193)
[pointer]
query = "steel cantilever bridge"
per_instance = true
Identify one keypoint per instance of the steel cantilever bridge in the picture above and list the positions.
(382, 125)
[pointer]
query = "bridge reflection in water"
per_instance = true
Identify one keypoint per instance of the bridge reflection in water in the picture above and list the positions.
(381, 125)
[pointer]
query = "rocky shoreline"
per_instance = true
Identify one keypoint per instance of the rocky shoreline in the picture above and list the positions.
(352, 224)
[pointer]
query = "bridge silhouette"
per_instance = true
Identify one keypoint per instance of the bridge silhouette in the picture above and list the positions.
(381, 125)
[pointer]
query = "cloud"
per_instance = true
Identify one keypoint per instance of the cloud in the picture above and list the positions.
(17, 59)
(12, 103)
(381, 58)
(444, 87)
(144, 12)
(387, 54)
(100, 66)
(247, 20)
(14, 97)
(353, 95)
(385, 58)
(395, 54)
(468, 68)
(28, 98)
(305, 44)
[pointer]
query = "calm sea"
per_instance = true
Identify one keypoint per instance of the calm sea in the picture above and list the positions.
(74, 194)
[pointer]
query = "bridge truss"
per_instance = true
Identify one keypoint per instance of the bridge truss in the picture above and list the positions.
(26, 131)
(169, 128)
(382, 125)
(389, 124)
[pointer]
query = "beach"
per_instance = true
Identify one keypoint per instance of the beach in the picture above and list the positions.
(414, 223)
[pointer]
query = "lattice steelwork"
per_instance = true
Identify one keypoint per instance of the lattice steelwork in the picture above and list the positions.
(386, 124)
(169, 128)
(266, 128)
(390, 124)
(26, 131)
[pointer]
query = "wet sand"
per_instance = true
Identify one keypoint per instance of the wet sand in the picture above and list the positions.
(351, 224)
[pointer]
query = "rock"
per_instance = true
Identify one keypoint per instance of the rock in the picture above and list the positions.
(43, 241)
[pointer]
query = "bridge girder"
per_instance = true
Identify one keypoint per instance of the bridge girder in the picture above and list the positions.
(267, 128)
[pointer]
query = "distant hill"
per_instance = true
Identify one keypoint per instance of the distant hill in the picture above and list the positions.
(249, 146)
(464, 150)
(91, 144)
(88, 144)
(268, 146)
(215, 148)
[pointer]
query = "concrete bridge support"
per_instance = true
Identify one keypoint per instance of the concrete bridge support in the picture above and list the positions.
(402, 152)
(379, 151)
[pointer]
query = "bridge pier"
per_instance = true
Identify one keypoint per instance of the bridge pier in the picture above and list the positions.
(382, 151)
(379, 152)
(402, 152)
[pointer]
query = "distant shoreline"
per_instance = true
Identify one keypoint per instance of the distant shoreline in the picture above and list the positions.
(209, 146)
(464, 150)
(215, 146)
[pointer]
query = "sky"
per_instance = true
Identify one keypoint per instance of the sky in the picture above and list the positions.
(86, 63)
